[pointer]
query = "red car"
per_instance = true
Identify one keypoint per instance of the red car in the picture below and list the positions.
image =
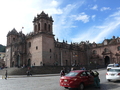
(77, 79)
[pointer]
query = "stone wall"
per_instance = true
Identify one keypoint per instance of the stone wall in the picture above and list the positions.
(41, 70)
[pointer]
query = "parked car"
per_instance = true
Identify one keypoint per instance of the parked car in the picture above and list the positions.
(113, 74)
(77, 79)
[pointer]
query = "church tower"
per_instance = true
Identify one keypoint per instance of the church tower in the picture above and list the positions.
(41, 49)
(43, 23)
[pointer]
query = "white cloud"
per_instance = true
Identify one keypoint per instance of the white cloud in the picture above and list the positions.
(82, 17)
(105, 8)
(93, 17)
(20, 13)
(97, 33)
(94, 7)
(64, 20)
(118, 8)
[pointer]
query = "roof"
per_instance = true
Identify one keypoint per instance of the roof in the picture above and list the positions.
(115, 68)
(78, 70)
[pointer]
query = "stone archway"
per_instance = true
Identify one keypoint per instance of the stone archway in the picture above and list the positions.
(106, 60)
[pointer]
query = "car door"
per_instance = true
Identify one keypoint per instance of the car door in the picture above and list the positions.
(84, 78)
(90, 78)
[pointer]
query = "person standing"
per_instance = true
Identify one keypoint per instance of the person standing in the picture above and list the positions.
(96, 79)
(6, 75)
(62, 72)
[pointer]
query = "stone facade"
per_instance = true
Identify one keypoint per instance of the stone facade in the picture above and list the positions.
(39, 48)
(2, 59)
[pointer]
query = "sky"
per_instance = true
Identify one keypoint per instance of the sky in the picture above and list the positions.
(74, 20)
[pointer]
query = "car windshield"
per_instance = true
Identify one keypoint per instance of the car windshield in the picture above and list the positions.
(110, 65)
(114, 70)
(72, 74)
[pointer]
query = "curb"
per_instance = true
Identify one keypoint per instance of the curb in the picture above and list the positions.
(21, 76)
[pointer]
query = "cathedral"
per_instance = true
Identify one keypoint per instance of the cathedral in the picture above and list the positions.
(39, 48)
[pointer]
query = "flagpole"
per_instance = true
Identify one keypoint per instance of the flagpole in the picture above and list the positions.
(22, 29)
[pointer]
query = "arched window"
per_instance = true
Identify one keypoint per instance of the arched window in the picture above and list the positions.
(35, 28)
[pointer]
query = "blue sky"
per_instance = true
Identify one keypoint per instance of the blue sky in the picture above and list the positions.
(74, 20)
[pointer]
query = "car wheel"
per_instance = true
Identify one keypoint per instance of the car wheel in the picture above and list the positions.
(108, 80)
(66, 87)
(81, 87)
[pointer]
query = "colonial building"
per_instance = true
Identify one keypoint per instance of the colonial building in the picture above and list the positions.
(40, 48)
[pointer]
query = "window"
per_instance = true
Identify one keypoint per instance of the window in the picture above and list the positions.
(50, 50)
(94, 52)
(36, 47)
(49, 27)
(118, 40)
(29, 44)
(39, 27)
(83, 74)
(72, 74)
(88, 73)
(118, 48)
(45, 26)
(106, 50)
(13, 39)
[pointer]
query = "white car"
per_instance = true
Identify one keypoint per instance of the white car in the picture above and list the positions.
(113, 74)
(110, 66)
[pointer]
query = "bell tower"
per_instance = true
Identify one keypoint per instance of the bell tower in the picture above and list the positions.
(43, 23)
(42, 42)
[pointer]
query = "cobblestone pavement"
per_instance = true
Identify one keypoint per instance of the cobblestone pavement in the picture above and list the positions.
(48, 82)
(29, 83)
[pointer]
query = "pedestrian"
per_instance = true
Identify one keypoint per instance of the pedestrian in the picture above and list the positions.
(96, 79)
(6, 75)
(29, 72)
(83, 68)
(62, 72)
(91, 72)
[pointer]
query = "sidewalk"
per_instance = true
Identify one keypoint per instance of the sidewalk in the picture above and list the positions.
(36, 75)
(21, 76)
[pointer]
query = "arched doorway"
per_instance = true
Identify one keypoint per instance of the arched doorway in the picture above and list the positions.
(29, 62)
(12, 63)
(18, 61)
(107, 60)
